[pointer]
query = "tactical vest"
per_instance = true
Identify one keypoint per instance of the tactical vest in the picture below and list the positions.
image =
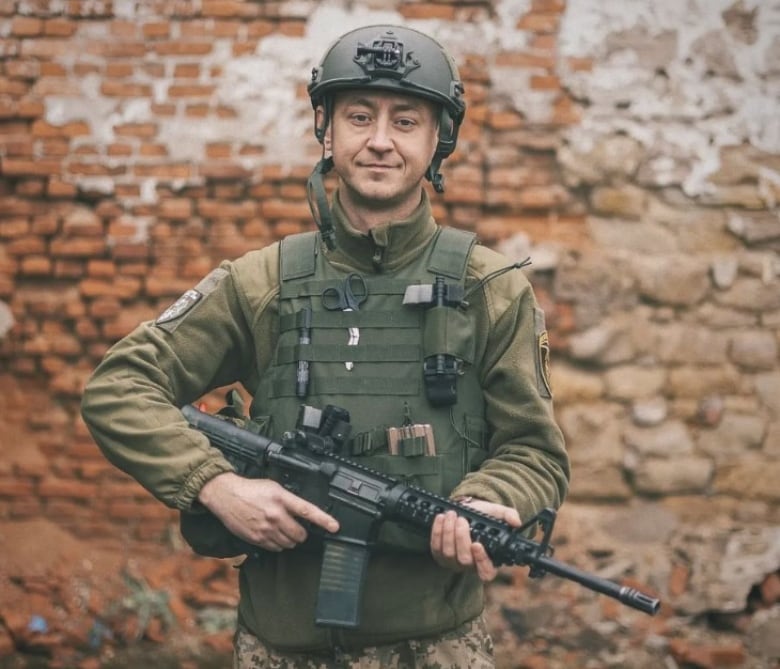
(393, 365)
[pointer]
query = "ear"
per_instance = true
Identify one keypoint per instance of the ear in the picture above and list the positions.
(322, 133)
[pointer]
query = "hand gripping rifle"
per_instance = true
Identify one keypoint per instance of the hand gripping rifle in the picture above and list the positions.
(361, 499)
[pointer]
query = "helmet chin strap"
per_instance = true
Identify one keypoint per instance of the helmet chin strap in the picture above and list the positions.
(444, 147)
(318, 201)
(434, 176)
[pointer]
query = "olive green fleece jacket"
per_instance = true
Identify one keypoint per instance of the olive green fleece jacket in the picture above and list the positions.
(227, 332)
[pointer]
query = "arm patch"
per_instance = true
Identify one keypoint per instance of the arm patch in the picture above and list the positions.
(170, 319)
(542, 355)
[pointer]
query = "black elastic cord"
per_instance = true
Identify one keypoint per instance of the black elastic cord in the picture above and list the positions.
(498, 272)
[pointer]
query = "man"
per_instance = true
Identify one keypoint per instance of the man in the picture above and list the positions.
(470, 373)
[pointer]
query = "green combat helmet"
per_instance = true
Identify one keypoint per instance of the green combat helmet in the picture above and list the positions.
(390, 58)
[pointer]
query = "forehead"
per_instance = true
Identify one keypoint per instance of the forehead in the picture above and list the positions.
(390, 99)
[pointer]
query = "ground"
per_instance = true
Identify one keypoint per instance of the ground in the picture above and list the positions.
(73, 604)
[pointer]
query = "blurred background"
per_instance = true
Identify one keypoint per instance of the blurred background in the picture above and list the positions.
(630, 148)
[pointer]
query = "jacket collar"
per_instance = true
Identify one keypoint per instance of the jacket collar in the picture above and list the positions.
(385, 247)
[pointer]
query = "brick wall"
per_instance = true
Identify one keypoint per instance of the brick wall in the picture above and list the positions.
(632, 150)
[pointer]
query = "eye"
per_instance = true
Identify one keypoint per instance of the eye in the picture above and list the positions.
(360, 118)
(406, 123)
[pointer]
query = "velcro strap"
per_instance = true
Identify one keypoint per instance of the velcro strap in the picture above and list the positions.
(398, 318)
(343, 385)
(343, 352)
(314, 287)
(368, 442)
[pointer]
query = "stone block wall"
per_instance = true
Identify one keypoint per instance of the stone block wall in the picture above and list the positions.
(632, 149)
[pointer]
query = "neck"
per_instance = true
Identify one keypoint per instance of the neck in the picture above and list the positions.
(363, 216)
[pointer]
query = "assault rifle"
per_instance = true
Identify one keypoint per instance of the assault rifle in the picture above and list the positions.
(307, 464)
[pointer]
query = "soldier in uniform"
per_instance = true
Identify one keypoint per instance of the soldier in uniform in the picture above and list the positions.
(434, 344)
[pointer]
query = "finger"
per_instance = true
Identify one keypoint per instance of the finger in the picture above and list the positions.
(437, 532)
(303, 509)
(486, 570)
(269, 545)
(512, 517)
(290, 534)
(462, 536)
(448, 542)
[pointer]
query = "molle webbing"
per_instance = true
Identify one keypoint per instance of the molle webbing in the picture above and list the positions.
(303, 284)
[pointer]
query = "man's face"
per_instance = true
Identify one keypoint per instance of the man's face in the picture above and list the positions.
(382, 144)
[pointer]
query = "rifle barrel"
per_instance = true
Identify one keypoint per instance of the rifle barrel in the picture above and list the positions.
(624, 594)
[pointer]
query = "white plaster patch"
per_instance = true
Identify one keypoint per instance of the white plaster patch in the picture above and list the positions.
(6, 319)
(686, 112)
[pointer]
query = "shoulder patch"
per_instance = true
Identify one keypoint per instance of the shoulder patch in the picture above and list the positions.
(542, 355)
(187, 302)
(180, 307)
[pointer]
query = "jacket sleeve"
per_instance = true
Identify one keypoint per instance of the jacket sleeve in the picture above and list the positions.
(527, 467)
(131, 403)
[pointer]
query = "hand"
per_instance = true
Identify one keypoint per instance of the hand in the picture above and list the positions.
(262, 512)
(451, 544)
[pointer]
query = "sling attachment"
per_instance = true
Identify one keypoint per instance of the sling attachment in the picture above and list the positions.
(440, 369)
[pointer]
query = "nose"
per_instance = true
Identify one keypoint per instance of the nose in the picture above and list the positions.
(380, 140)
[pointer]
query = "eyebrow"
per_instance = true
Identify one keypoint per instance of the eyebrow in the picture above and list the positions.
(411, 105)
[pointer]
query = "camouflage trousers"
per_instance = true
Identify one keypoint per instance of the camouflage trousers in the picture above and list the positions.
(466, 647)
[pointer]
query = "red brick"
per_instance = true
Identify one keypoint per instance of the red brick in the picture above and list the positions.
(272, 208)
(46, 224)
(545, 83)
(227, 210)
(59, 27)
(170, 171)
(36, 266)
(187, 71)
(58, 188)
(190, 90)
(539, 22)
(24, 26)
(259, 28)
(121, 287)
(527, 60)
(176, 208)
(22, 246)
(14, 227)
(146, 130)
(183, 48)
(52, 487)
(13, 167)
(292, 28)
(119, 89)
(47, 48)
(153, 150)
(16, 487)
(12, 87)
(156, 29)
(105, 307)
(223, 8)
(23, 69)
(197, 111)
(68, 130)
(77, 247)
